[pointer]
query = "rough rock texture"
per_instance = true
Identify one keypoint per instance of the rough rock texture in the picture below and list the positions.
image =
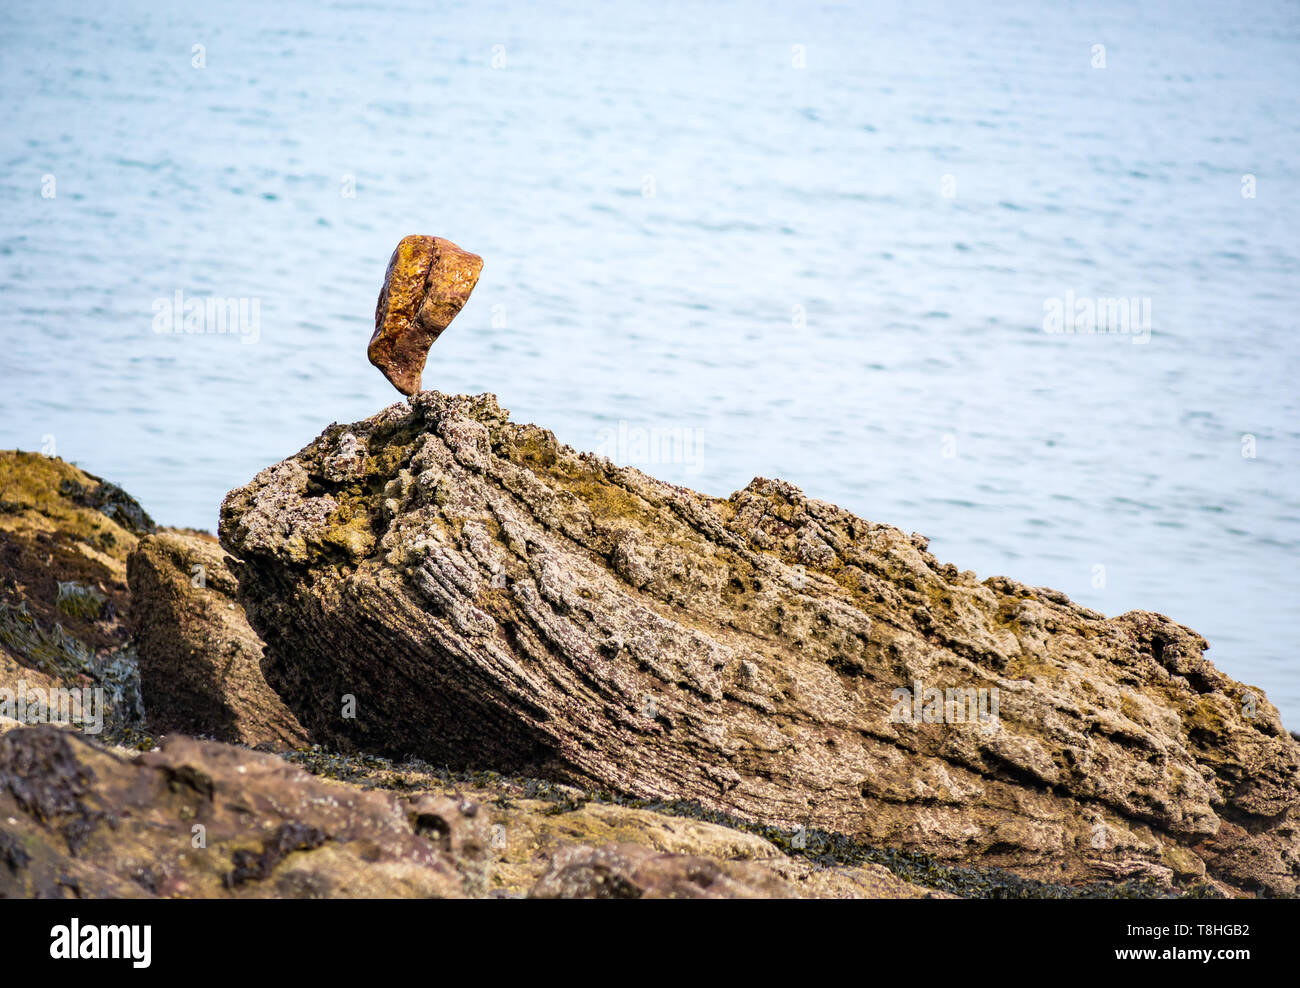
(13, 672)
(428, 281)
(536, 836)
(199, 660)
(642, 871)
(632, 871)
(202, 819)
(64, 539)
(476, 593)
(532, 821)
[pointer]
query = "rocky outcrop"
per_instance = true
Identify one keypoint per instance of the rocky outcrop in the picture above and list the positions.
(86, 576)
(534, 824)
(439, 581)
(207, 820)
(199, 660)
(64, 539)
(642, 871)
(631, 871)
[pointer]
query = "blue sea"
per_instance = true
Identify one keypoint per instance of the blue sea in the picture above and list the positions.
(822, 242)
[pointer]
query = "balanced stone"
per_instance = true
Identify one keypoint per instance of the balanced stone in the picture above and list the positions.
(428, 281)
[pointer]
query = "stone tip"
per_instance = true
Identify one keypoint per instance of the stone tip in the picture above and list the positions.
(428, 281)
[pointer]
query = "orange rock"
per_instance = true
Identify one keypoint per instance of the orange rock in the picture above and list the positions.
(428, 281)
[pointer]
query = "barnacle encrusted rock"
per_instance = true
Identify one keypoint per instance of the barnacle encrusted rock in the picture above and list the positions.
(439, 581)
(428, 281)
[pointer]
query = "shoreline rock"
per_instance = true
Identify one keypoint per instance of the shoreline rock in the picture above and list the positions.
(487, 596)
(200, 662)
(507, 525)
(201, 819)
(65, 536)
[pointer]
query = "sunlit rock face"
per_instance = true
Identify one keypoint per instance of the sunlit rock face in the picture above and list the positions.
(440, 581)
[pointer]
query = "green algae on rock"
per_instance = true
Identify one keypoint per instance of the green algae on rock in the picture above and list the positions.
(428, 281)
(65, 536)
(64, 539)
(486, 596)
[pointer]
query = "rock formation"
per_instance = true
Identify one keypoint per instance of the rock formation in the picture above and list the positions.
(200, 662)
(83, 815)
(64, 540)
(438, 581)
(428, 281)
(200, 819)
(494, 600)
(65, 536)
(633, 871)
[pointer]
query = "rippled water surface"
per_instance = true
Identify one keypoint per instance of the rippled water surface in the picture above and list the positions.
(833, 273)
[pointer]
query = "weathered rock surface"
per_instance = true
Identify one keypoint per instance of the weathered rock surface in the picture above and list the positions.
(641, 871)
(200, 662)
(428, 281)
(64, 539)
(13, 672)
(488, 597)
(201, 819)
(632, 871)
(532, 822)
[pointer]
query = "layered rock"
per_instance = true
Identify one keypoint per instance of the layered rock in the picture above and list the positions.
(438, 581)
(199, 660)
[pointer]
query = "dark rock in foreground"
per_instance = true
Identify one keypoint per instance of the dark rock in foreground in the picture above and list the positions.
(209, 820)
(438, 581)
(205, 820)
